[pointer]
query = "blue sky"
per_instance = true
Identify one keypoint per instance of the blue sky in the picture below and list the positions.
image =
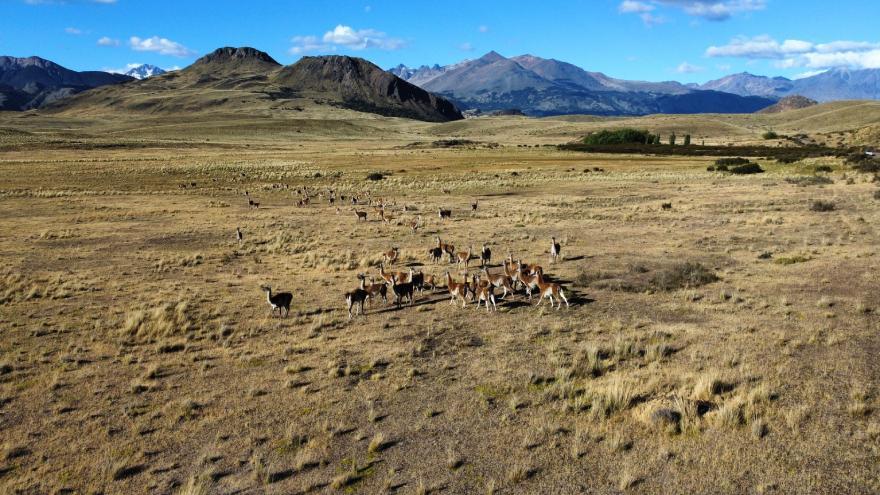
(686, 40)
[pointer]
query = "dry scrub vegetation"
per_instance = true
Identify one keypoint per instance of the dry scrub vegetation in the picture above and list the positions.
(727, 344)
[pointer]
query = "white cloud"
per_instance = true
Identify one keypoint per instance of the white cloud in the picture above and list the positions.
(799, 53)
(652, 20)
(467, 46)
(712, 10)
(686, 68)
(73, 30)
(107, 41)
(346, 37)
(634, 7)
(483, 29)
(159, 45)
(361, 39)
(368, 8)
(809, 73)
(308, 44)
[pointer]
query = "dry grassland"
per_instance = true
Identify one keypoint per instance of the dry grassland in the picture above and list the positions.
(138, 354)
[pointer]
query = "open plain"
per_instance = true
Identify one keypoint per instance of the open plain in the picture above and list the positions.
(725, 344)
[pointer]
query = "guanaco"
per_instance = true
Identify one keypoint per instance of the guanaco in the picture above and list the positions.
(435, 254)
(483, 292)
(354, 298)
(278, 301)
(555, 250)
(388, 277)
(402, 290)
(361, 215)
(456, 290)
(391, 255)
(485, 256)
(499, 281)
(465, 258)
(374, 290)
(549, 290)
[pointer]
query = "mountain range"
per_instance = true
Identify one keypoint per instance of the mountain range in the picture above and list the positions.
(541, 87)
(831, 85)
(492, 83)
(144, 71)
(32, 82)
(248, 80)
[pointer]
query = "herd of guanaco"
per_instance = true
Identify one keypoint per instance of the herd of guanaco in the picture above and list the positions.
(479, 288)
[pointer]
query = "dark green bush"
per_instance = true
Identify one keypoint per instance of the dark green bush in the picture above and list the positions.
(787, 159)
(375, 176)
(822, 206)
(868, 166)
(770, 135)
(683, 276)
(731, 161)
(749, 168)
(824, 168)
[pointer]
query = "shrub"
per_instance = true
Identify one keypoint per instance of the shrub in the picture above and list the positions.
(687, 139)
(822, 206)
(867, 166)
(770, 135)
(854, 158)
(824, 168)
(731, 161)
(683, 275)
(749, 168)
(620, 136)
(809, 180)
(375, 176)
(710, 168)
(672, 140)
(877, 194)
(787, 159)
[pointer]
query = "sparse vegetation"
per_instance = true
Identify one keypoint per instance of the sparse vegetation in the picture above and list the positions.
(135, 332)
(822, 206)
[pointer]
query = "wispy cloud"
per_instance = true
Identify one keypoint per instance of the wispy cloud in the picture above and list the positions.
(800, 53)
(107, 41)
(712, 10)
(483, 29)
(163, 46)
(345, 37)
(467, 46)
(686, 68)
(73, 31)
(308, 44)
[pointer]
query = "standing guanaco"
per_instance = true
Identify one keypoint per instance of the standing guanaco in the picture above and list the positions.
(456, 290)
(549, 290)
(555, 250)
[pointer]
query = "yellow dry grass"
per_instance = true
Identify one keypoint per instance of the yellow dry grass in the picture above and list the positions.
(138, 354)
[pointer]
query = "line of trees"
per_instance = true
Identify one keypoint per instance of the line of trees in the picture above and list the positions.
(631, 136)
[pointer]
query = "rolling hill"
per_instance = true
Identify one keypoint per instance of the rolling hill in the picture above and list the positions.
(235, 80)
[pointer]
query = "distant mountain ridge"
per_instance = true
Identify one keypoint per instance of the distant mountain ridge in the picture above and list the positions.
(32, 82)
(540, 87)
(831, 85)
(245, 79)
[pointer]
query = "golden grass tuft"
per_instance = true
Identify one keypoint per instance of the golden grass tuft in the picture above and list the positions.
(166, 320)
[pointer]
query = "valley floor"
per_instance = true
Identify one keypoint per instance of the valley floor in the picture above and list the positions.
(138, 354)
